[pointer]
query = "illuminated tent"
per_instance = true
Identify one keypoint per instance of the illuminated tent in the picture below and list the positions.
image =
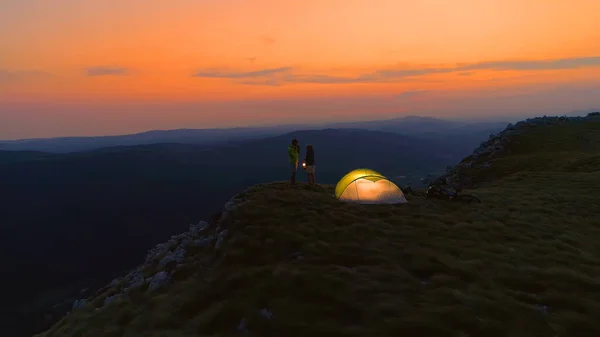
(366, 186)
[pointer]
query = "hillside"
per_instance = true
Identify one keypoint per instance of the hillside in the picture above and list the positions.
(285, 261)
(67, 209)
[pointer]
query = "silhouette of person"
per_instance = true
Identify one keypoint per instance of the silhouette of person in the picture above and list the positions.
(309, 160)
(294, 154)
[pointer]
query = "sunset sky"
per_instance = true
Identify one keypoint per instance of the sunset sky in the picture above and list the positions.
(75, 67)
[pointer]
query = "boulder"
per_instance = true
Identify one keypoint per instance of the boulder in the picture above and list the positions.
(159, 280)
(155, 252)
(177, 256)
(266, 313)
(134, 281)
(195, 230)
(203, 242)
(110, 299)
(78, 304)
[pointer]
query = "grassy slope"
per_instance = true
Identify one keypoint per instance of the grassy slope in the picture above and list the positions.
(568, 147)
(522, 263)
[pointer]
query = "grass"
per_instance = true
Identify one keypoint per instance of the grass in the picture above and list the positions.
(524, 262)
(571, 147)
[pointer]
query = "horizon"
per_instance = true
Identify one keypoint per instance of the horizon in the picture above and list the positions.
(311, 126)
(105, 68)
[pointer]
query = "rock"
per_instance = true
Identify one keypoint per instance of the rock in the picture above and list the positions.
(203, 242)
(177, 256)
(173, 242)
(159, 280)
(243, 326)
(220, 238)
(135, 280)
(155, 252)
(266, 313)
(135, 285)
(115, 282)
(466, 165)
(111, 299)
(195, 230)
(541, 308)
(230, 205)
(78, 304)
(185, 242)
(219, 242)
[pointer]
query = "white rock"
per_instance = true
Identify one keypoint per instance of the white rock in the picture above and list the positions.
(185, 242)
(266, 313)
(111, 299)
(203, 242)
(115, 282)
(243, 326)
(172, 243)
(135, 285)
(230, 205)
(177, 256)
(155, 252)
(78, 304)
(160, 279)
(219, 242)
(223, 233)
(195, 230)
(135, 281)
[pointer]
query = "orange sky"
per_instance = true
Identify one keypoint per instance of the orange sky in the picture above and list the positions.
(72, 67)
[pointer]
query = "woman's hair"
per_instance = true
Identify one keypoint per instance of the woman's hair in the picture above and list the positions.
(309, 147)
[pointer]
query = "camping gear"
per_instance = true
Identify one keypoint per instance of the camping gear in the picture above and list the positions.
(365, 186)
(436, 191)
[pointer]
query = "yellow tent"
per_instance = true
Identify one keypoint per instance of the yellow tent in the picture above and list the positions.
(366, 186)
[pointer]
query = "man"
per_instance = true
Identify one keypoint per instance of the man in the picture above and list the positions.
(294, 154)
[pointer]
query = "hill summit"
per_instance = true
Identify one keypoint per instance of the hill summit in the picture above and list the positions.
(283, 261)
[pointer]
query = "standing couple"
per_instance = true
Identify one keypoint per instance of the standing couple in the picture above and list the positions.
(308, 164)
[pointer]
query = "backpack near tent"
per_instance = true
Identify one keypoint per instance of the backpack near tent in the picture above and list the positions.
(366, 186)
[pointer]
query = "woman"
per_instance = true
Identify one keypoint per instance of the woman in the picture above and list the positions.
(309, 160)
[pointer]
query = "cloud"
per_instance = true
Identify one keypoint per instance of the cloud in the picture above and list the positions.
(106, 71)
(412, 93)
(250, 59)
(282, 75)
(566, 63)
(9, 76)
(316, 78)
(558, 64)
(246, 74)
(268, 82)
(267, 40)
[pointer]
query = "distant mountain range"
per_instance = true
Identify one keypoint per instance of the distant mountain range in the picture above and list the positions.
(425, 127)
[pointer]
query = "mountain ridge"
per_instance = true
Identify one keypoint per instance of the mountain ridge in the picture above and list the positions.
(411, 125)
(282, 274)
